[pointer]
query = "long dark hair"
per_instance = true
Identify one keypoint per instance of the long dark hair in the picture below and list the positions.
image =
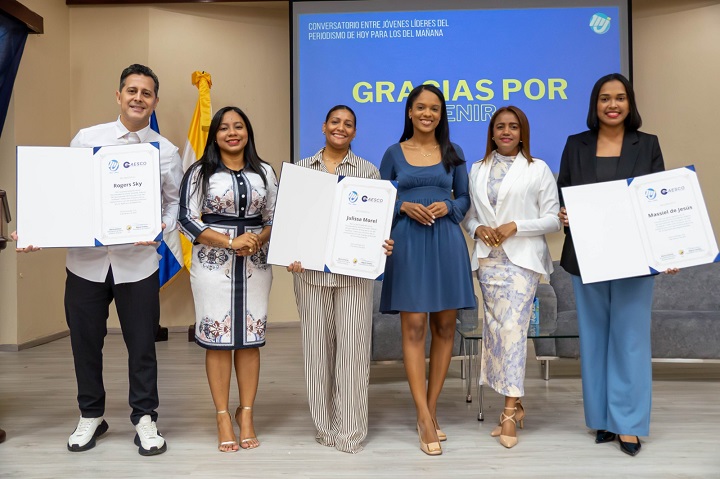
(632, 122)
(210, 159)
(524, 132)
(448, 154)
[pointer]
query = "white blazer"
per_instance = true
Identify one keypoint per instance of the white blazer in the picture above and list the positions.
(528, 196)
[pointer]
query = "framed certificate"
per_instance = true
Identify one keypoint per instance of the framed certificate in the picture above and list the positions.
(332, 223)
(640, 226)
(76, 197)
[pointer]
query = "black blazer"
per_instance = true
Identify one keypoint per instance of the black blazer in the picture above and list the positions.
(640, 155)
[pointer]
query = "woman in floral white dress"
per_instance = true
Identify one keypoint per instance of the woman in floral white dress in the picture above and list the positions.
(226, 208)
(514, 203)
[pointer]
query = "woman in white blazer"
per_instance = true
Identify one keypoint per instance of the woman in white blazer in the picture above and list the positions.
(514, 203)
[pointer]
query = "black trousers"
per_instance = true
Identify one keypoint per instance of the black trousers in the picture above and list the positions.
(86, 311)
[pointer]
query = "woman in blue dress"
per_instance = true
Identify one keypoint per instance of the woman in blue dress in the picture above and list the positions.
(429, 271)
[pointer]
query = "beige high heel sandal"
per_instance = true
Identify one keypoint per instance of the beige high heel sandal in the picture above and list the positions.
(519, 418)
(248, 442)
(233, 444)
(508, 441)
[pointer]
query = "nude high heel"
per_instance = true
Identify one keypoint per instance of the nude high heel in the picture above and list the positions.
(441, 435)
(508, 441)
(429, 448)
(519, 418)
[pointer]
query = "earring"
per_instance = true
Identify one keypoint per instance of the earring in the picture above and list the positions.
(493, 138)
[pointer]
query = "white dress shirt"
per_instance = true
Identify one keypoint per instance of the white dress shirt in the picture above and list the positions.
(129, 263)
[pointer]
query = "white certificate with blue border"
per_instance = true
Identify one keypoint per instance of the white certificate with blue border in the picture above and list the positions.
(128, 198)
(335, 224)
(640, 226)
(77, 197)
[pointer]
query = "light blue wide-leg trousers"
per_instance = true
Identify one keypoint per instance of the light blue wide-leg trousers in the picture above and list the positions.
(615, 353)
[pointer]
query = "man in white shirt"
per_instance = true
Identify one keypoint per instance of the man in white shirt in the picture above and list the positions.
(127, 274)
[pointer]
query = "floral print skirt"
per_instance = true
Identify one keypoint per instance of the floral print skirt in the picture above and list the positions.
(508, 293)
(231, 293)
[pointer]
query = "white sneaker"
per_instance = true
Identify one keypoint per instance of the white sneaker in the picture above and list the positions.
(149, 441)
(87, 430)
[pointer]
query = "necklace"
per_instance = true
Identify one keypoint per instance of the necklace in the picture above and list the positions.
(425, 155)
(333, 161)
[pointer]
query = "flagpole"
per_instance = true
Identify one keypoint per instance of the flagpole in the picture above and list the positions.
(194, 148)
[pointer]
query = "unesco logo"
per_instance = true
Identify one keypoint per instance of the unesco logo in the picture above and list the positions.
(366, 198)
(666, 191)
(127, 164)
(650, 194)
(353, 197)
(113, 165)
(600, 23)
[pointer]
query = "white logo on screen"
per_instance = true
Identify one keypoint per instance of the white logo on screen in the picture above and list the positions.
(600, 23)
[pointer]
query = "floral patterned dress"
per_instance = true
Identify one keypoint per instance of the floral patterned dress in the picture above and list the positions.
(231, 292)
(508, 291)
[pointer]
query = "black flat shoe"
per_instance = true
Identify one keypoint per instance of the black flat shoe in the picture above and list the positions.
(630, 448)
(604, 436)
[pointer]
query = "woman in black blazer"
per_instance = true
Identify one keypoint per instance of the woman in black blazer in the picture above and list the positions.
(613, 316)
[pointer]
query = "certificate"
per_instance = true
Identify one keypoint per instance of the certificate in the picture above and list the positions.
(640, 226)
(336, 224)
(127, 203)
(74, 197)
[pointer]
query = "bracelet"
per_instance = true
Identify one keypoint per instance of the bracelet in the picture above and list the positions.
(230, 243)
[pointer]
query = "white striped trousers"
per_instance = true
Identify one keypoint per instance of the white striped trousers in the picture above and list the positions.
(336, 327)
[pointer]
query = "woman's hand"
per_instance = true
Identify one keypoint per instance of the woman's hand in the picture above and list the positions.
(672, 271)
(562, 214)
(389, 244)
(418, 212)
(295, 267)
(28, 249)
(505, 231)
(487, 235)
(438, 209)
(246, 244)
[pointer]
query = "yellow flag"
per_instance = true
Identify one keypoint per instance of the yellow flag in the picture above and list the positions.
(200, 123)
(197, 137)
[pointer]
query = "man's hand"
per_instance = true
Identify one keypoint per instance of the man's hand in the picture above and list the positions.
(28, 249)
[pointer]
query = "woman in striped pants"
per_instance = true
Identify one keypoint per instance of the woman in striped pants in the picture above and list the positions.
(336, 313)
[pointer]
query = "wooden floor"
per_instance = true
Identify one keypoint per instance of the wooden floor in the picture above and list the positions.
(38, 411)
